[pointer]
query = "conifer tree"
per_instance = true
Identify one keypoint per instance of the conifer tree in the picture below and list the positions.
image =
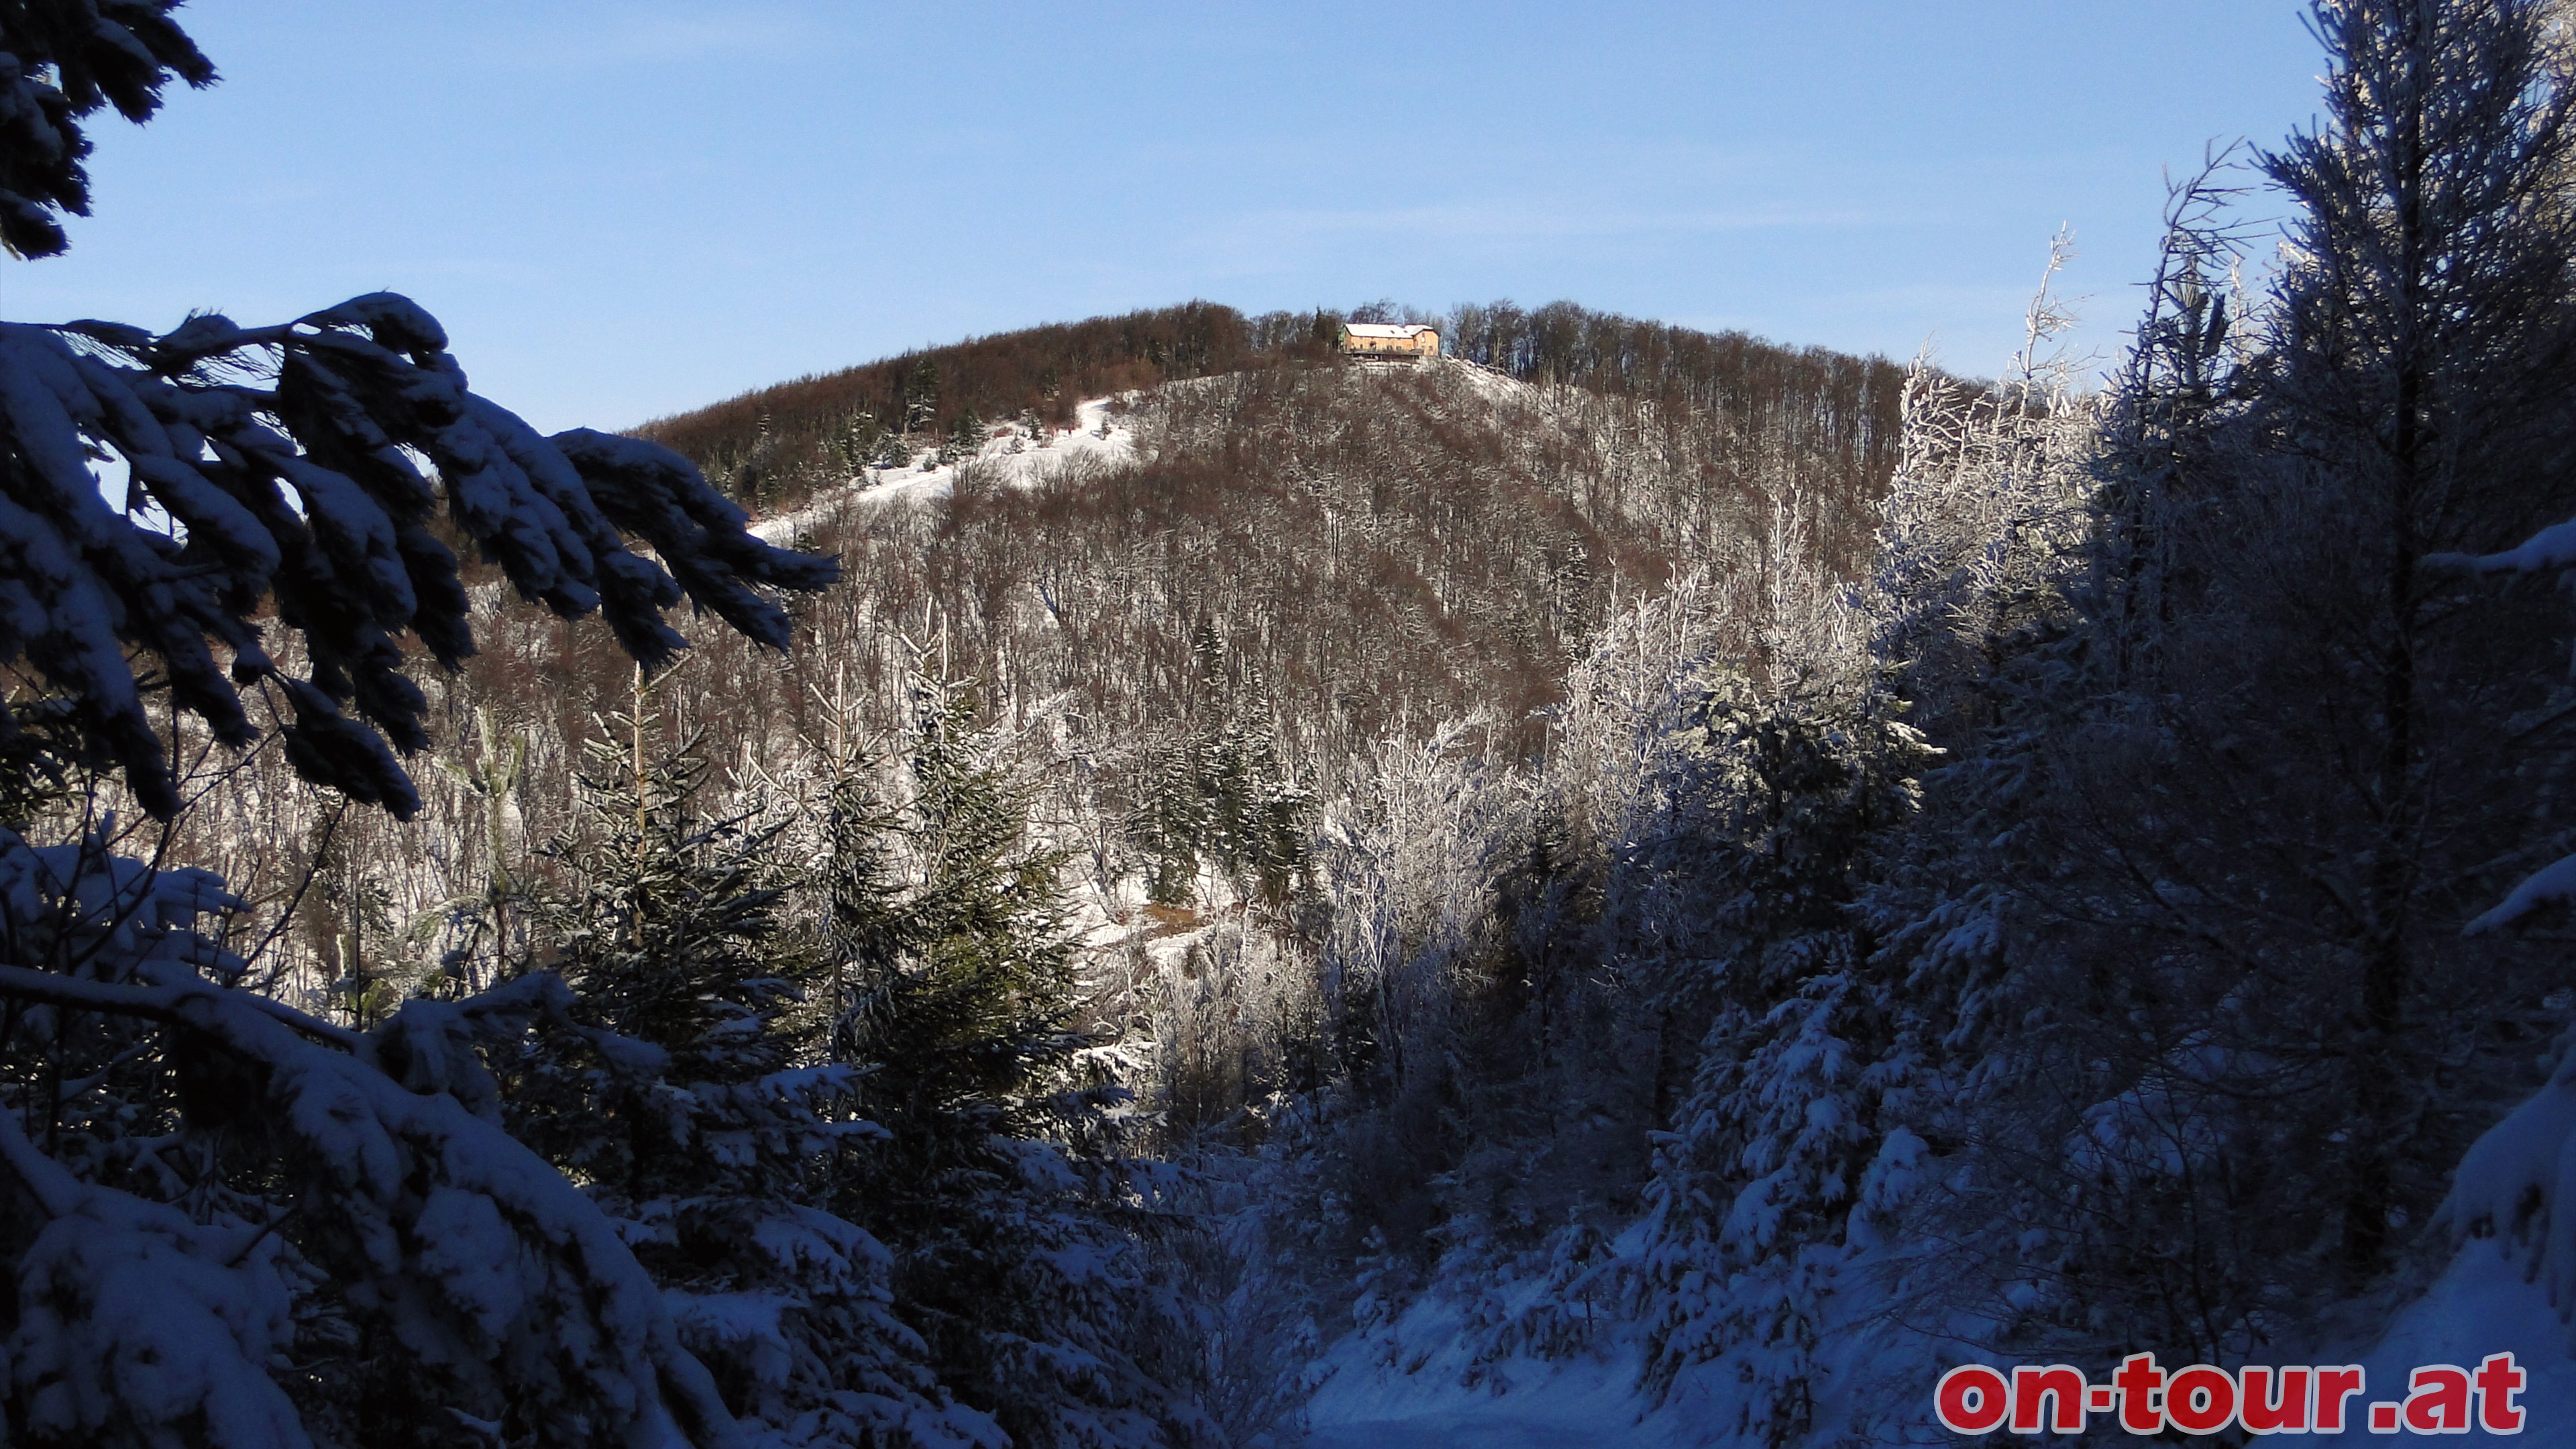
(892, 451)
(1801, 1074)
(689, 1092)
(2177, 924)
(1168, 821)
(2427, 346)
(965, 438)
(918, 397)
(1000, 1185)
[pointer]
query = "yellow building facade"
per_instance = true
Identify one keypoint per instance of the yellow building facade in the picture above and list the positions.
(1390, 339)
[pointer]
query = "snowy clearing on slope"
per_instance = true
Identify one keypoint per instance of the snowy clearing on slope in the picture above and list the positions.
(1103, 436)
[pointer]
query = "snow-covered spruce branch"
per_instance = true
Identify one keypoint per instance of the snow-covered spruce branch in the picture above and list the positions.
(498, 1274)
(64, 62)
(154, 1003)
(307, 463)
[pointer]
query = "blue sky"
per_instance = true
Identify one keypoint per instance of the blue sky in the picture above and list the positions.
(627, 209)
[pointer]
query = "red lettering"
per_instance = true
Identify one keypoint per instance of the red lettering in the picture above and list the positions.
(2138, 1380)
(2200, 1399)
(2498, 1382)
(1972, 1399)
(2334, 1386)
(2437, 1399)
(2062, 1382)
(2262, 1411)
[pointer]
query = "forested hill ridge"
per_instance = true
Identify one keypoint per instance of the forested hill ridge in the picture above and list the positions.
(1327, 552)
(774, 445)
(1222, 596)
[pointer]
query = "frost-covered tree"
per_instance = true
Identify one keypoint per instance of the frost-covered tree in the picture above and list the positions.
(2426, 344)
(2164, 441)
(2512, 1184)
(1168, 821)
(2180, 917)
(1987, 503)
(1221, 798)
(1792, 775)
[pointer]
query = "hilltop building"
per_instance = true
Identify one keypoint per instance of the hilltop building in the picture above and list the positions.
(1403, 341)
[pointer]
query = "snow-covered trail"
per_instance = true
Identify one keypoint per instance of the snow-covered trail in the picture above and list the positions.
(2479, 1305)
(1587, 1403)
(1567, 1412)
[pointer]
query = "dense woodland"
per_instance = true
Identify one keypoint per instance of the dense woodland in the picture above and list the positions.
(1766, 870)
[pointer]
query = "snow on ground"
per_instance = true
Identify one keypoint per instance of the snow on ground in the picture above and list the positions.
(1414, 1384)
(1493, 384)
(2481, 1305)
(1584, 1401)
(1103, 436)
(1099, 438)
(1413, 1387)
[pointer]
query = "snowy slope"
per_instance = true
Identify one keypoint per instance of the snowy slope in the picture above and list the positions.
(1101, 437)
(1105, 434)
(1415, 1384)
(1422, 1380)
(2479, 1306)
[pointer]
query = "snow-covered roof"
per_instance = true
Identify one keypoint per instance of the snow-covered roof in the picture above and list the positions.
(1386, 329)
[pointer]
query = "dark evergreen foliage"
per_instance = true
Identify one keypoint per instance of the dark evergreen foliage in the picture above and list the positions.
(1021, 1233)
(60, 62)
(236, 1224)
(690, 1090)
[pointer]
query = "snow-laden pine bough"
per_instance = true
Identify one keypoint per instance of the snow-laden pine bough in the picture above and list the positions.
(136, 1321)
(308, 464)
(2517, 1182)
